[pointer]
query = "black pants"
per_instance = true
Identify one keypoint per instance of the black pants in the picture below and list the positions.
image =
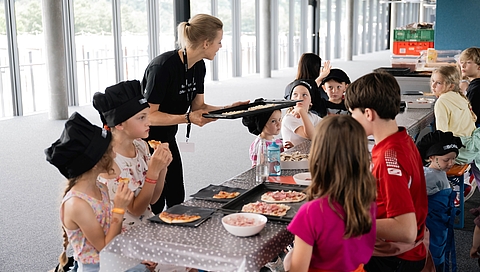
(174, 190)
(393, 264)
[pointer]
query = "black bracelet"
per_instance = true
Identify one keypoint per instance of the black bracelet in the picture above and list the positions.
(187, 117)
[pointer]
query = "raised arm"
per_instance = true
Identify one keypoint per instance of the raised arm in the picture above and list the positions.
(78, 213)
(324, 71)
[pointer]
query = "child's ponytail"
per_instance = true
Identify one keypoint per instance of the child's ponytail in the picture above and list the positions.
(63, 259)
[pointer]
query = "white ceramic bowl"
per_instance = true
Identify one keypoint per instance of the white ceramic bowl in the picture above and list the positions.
(243, 231)
(303, 178)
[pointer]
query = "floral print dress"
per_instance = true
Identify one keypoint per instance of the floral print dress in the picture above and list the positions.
(134, 169)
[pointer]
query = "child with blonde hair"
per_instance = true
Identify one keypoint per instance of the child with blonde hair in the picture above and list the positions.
(470, 67)
(453, 111)
(335, 230)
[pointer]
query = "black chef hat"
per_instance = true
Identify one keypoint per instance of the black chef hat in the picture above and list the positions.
(338, 75)
(79, 148)
(256, 123)
(438, 143)
(120, 102)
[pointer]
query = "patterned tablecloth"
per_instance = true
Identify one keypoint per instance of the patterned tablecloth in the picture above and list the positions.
(208, 247)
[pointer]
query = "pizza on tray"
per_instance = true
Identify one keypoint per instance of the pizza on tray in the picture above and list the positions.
(266, 208)
(172, 218)
(226, 195)
(283, 196)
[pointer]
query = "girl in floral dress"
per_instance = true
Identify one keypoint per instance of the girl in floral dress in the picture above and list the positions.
(124, 111)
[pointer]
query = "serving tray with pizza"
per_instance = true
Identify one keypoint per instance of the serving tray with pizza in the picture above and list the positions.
(218, 193)
(278, 202)
(183, 216)
(258, 106)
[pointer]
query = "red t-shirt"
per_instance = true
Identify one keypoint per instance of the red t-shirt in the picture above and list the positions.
(401, 187)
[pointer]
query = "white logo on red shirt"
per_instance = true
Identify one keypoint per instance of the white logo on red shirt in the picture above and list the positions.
(394, 171)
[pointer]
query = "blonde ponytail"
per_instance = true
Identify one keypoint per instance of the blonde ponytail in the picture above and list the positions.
(200, 28)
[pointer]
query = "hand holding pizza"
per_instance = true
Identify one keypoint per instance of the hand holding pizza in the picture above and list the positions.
(159, 160)
(123, 196)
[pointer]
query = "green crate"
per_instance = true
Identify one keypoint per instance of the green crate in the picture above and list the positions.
(413, 35)
(399, 35)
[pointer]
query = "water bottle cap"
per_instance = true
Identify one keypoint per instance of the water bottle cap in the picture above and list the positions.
(274, 145)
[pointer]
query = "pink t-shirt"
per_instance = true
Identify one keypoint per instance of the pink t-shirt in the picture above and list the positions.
(319, 226)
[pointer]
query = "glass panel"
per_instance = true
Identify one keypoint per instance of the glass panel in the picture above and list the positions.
(283, 19)
(224, 55)
(167, 29)
(30, 40)
(204, 6)
(6, 108)
(296, 36)
(94, 47)
(134, 38)
(200, 6)
(248, 38)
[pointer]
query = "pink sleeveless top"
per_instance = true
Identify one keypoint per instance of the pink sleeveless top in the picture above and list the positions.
(83, 250)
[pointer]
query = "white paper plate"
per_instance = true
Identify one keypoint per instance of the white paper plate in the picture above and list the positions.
(303, 178)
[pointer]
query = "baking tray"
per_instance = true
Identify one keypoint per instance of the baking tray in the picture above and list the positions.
(205, 214)
(394, 71)
(208, 192)
(278, 104)
(255, 194)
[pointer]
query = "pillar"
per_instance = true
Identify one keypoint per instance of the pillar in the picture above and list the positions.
(55, 58)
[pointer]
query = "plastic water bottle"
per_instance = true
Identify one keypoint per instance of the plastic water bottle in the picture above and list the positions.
(261, 168)
(273, 152)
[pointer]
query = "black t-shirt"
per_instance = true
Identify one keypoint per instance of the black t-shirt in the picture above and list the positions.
(473, 95)
(164, 84)
(333, 108)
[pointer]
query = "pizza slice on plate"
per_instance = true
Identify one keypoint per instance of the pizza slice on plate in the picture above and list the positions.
(172, 218)
(283, 196)
(226, 195)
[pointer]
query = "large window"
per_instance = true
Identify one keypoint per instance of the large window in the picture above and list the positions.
(134, 38)
(248, 37)
(167, 27)
(94, 47)
(6, 105)
(146, 28)
(30, 40)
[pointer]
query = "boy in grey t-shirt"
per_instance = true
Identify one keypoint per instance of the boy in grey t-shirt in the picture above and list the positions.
(439, 150)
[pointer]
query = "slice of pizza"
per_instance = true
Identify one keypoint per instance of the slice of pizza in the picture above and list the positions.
(226, 195)
(123, 180)
(266, 208)
(283, 196)
(172, 218)
(154, 143)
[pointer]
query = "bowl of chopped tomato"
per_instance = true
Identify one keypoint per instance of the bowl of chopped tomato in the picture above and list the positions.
(244, 224)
